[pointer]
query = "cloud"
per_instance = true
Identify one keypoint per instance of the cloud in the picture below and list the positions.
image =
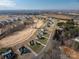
(7, 3)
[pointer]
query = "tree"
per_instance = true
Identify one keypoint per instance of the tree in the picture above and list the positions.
(60, 24)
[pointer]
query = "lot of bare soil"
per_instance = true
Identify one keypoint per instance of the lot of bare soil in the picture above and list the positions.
(20, 36)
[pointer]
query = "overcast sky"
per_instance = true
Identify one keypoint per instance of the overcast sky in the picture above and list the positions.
(38, 4)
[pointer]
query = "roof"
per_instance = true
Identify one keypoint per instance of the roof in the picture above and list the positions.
(6, 52)
(76, 39)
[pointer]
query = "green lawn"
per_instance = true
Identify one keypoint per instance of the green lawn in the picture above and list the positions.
(37, 48)
(44, 41)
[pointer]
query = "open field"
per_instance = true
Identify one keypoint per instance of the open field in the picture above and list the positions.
(19, 37)
(60, 16)
(3, 17)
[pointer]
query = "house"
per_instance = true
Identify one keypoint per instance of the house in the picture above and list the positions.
(76, 43)
(8, 54)
(24, 50)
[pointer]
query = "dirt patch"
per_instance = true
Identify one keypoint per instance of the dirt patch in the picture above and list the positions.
(20, 37)
(71, 53)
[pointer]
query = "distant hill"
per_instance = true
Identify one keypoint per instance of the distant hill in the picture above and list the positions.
(34, 12)
(18, 12)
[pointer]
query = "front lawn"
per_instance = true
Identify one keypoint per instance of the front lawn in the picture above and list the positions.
(37, 47)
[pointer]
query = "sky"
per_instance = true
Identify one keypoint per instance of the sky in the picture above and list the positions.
(39, 4)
